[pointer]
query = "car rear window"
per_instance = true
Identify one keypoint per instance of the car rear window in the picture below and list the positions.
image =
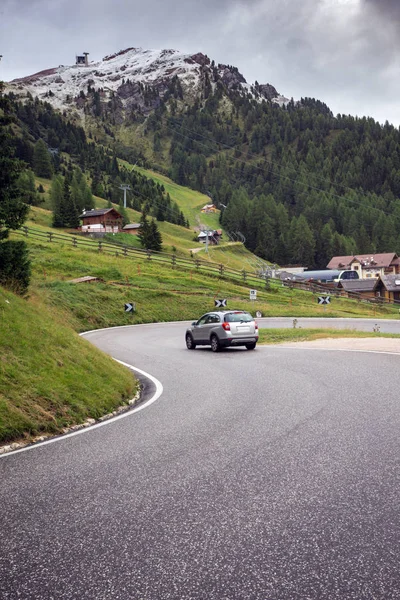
(238, 317)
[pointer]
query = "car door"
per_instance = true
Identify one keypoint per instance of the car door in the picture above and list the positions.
(200, 329)
(214, 321)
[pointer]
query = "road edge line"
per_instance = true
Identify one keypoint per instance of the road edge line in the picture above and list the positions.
(128, 413)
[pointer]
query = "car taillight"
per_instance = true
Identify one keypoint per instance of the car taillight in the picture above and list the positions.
(255, 324)
(226, 326)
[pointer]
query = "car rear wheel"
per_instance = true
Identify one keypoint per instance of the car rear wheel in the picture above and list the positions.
(251, 346)
(215, 346)
(190, 345)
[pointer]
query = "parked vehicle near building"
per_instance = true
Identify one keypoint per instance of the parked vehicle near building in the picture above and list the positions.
(326, 275)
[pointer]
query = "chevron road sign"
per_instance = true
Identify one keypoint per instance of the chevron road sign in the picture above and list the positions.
(130, 307)
(324, 299)
(220, 303)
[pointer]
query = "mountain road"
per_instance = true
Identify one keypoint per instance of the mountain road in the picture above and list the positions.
(271, 475)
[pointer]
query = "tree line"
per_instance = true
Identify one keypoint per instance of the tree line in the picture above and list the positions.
(338, 177)
(51, 145)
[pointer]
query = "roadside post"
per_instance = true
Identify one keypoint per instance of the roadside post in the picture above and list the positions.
(324, 300)
(130, 307)
(220, 303)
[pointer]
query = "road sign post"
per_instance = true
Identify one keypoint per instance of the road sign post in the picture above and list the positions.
(324, 300)
(253, 294)
(220, 303)
(130, 307)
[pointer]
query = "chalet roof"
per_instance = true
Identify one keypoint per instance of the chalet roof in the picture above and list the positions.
(389, 282)
(213, 233)
(340, 262)
(98, 212)
(358, 285)
(366, 260)
(132, 226)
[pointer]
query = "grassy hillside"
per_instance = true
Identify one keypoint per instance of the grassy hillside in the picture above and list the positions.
(45, 387)
(50, 378)
(189, 201)
(177, 239)
(160, 292)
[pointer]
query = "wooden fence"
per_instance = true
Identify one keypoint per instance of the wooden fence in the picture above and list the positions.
(172, 260)
(248, 278)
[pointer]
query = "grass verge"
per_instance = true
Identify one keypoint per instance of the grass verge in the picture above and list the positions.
(280, 336)
(50, 378)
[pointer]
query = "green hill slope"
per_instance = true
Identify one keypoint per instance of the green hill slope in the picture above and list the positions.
(189, 201)
(175, 238)
(50, 378)
(45, 387)
(161, 291)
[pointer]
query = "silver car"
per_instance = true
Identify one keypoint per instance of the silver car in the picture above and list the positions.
(222, 329)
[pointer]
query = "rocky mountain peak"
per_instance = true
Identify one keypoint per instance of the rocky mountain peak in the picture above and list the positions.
(134, 77)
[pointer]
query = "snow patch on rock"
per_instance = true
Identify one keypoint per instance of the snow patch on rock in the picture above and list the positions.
(60, 85)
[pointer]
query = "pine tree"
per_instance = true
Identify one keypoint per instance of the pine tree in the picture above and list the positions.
(13, 211)
(77, 187)
(27, 188)
(56, 199)
(14, 258)
(144, 230)
(69, 211)
(97, 186)
(72, 216)
(88, 201)
(42, 164)
(302, 242)
(123, 213)
(155, 239)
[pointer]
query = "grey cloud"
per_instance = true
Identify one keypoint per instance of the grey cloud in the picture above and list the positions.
(346, 54)
(391, 8)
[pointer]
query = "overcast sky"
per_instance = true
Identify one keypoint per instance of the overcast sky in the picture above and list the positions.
(343, 52)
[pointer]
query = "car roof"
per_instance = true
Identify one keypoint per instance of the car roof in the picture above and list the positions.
(226, 312)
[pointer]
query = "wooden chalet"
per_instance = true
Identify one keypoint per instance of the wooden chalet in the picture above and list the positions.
(368, 265)
(360, 288)
(386, 287)
(214, 237)
(209, 208)
(132, 228)
(101, 221)
(390, 288)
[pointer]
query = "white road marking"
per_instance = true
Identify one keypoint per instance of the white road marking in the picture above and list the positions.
(158, 384)
(128, 413)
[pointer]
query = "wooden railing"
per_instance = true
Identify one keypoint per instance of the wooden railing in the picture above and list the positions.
(247, 278)
(244, 277)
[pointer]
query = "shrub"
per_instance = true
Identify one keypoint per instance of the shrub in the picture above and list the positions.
(15, 266)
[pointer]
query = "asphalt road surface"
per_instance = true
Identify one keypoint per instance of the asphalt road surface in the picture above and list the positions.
(384, 325)
(270, 475)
